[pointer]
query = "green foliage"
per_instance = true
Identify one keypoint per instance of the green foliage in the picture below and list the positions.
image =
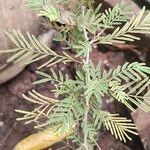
(33, 50)
(51, 13)
(118, 126)
(36, 4)
(115, 16)
(66, 113)
(90, 18)
(60, 78)
(96, 86)
(40, 4)
(136, 80)
(80, 107)
(137, 24)
(134, 72)
(47, 8)
(41, 112)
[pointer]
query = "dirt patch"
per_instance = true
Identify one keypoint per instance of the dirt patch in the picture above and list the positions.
(10, 130)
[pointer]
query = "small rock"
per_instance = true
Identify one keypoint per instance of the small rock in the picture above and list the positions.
(142, 122)
(1, 123)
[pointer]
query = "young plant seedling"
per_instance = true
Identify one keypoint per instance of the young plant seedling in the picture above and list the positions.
(80, 112)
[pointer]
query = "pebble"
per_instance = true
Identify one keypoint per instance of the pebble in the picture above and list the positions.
(1, 123)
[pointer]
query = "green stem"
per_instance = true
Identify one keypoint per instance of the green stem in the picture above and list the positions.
(85, 120)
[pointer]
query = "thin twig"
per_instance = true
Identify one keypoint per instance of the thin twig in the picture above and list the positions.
(97, 36)
(97, 145)
(8, 134)
(85, 144)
